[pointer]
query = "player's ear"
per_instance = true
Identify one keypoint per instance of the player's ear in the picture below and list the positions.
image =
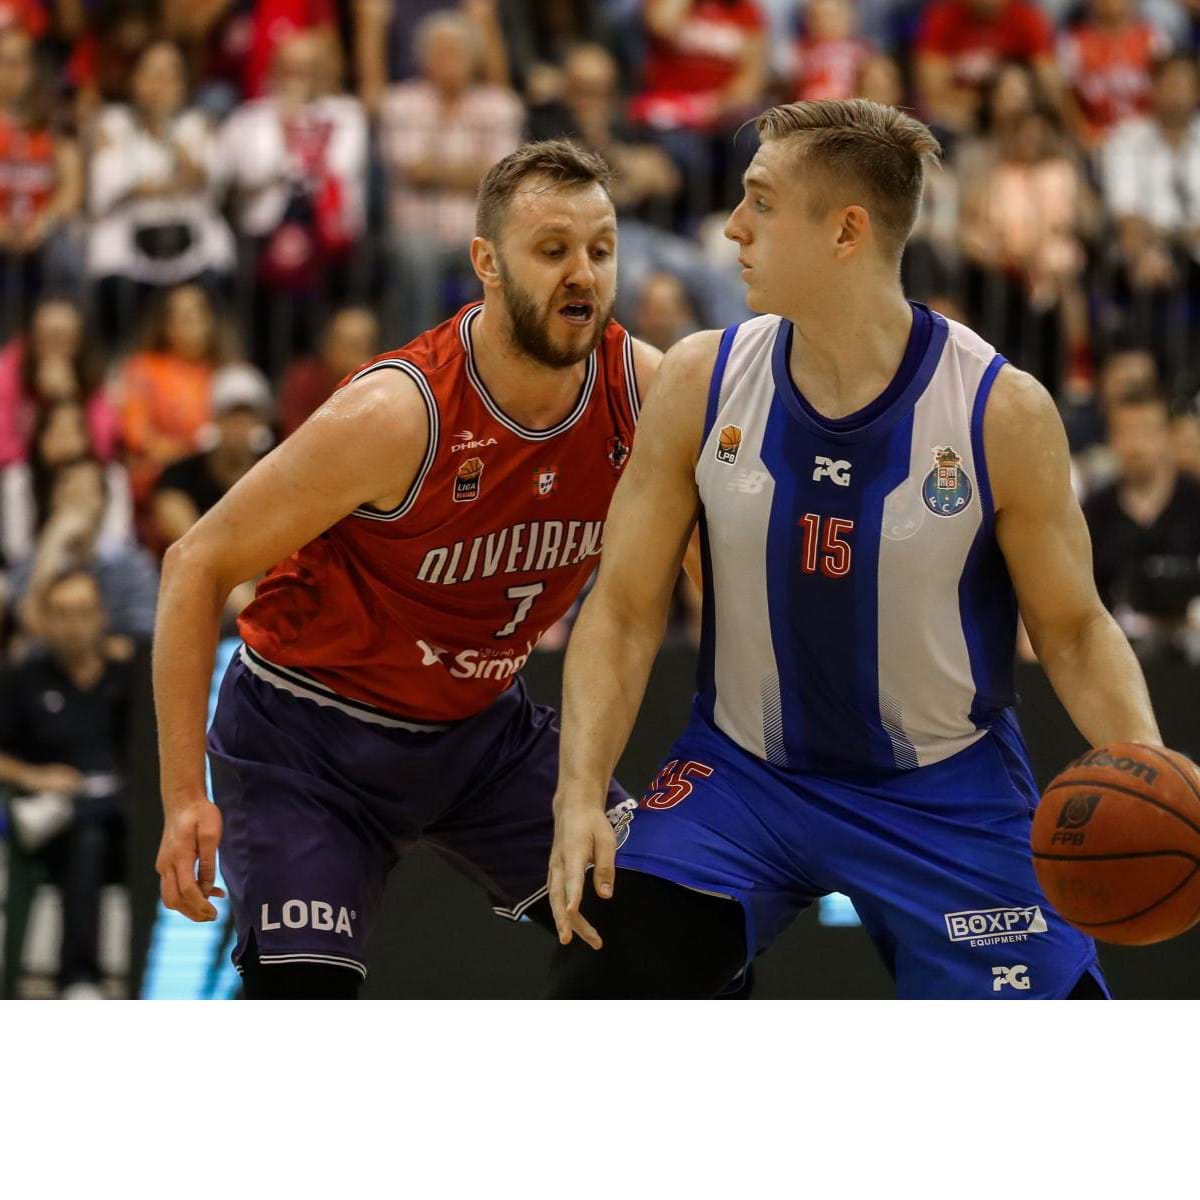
(856, 224)
(485, 262)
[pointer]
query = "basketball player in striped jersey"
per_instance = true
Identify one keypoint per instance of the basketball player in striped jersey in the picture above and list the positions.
(418, 535)
(877, 493)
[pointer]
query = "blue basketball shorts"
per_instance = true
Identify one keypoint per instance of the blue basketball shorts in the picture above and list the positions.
(936, 860)
(319, 805)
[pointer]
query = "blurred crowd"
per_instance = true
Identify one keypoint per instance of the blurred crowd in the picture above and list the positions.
(211, 211)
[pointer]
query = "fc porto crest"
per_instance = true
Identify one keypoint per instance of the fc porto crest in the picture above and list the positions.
(618, 451)
(947, 488)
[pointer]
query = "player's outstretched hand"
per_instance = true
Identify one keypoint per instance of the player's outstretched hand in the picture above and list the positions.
(191, 832)
(582, 835)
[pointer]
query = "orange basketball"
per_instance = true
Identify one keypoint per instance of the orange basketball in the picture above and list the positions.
(731, 436)
(1116, 843)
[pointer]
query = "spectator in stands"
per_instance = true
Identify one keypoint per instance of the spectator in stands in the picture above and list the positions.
(151, 195)
(41, 183)
(240, 435)
(103, 58)
(961, 47)
(242, 412)
(55, 362)
(664, 312)
(830, 52)
(881, 79)
(439, 134)
(72, 538)
(60, 439)
(64, 729)
(163, 391)
(705, 73)
(1026, 211)
(297, 161)
(1185, 441)
(589, 110)
(1145, 526)
(275, 23)
(1152, 188)
(540, 35)
(385, 41)
(351, 338)
(1105, 62)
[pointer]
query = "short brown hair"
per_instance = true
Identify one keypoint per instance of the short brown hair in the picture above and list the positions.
(563, 163)
(859, 144)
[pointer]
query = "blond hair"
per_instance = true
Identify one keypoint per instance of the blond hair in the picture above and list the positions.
(860, 152)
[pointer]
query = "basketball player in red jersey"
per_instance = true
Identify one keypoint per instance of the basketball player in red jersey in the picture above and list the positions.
(418, 533)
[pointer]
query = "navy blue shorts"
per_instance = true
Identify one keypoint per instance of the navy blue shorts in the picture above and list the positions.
(318, 806)
(936, 860)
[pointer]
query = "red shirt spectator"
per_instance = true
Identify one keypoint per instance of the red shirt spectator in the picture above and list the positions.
(30, 15)
(961, 44)
(274, 22)
(829, 55)
(693, 60)
(1106, 63)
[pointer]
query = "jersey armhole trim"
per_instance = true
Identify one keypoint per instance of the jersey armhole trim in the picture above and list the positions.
(410, 498)
(977, 449)
(631, 387)
(718, 378)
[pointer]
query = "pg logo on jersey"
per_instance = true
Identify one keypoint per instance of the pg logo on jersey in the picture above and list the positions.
(728, 444)
(947, 488)
(467, 478)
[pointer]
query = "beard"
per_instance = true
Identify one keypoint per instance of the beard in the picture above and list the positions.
(529, 327)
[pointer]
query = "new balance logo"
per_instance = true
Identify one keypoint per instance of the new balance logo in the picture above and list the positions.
(837, 471)
(1013, 977)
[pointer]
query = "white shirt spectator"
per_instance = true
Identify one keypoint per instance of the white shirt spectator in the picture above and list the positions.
(265, 156)
(483, 126)
(160, 240)
(1145, 176)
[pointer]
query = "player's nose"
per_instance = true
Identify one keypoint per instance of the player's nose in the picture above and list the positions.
(581, 274)
(735, 228)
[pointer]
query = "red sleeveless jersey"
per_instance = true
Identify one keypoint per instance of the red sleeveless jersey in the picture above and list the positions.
(425, 613)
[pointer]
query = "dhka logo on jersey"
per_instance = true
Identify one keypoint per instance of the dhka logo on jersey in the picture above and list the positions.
(467, 479)
(466, 440)
(545, 482)
(947, 488)
(617, 450)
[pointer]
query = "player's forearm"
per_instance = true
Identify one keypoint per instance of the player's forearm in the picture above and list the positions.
(1097, 677)
(607, 668)
(190, 602)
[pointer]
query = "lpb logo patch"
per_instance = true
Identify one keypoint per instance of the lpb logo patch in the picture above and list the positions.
(947, 488)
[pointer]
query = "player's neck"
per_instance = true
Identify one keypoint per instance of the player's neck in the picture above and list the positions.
(844, 356)
(533, 394)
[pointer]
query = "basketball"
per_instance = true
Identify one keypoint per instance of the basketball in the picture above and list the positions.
(731, 437)
(1116, 844)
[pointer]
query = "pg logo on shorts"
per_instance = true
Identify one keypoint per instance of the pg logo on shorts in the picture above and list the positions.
(990, 926)
(1014, 977)
(620, 817)
(947, 488)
